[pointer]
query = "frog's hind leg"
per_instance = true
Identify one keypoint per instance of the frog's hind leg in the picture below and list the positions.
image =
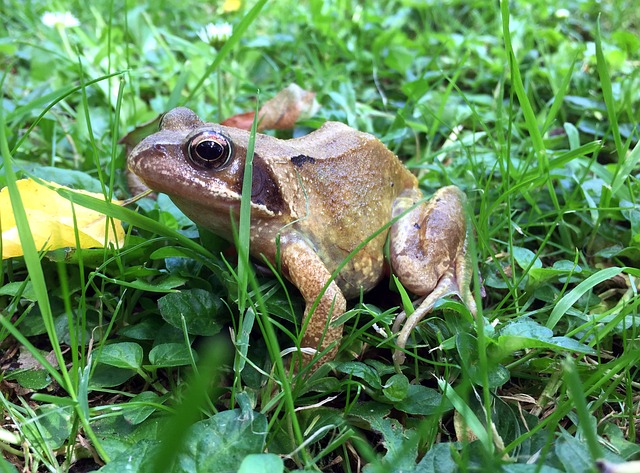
(446, 286)
(428, 254)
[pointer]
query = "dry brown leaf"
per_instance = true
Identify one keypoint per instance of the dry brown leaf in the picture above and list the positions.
(291, 104)
(51, 219)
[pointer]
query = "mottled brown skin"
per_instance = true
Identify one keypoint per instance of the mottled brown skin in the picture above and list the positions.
(323, 195)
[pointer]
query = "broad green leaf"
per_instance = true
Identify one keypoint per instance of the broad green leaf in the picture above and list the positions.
(421, 400)
(105, 376)
(168, 355)
(138, 414)
(526, 333)
(438, 460)
(54, 425)
(396, 388)
(220, 443)
(200, 310)
(6, 467)
(525, 258)
(22, 288)
(135, 459)
(370, 409)
(362, 371)
(261, 463)
(573, 454)
(401, 446)
(122, 355)
(31, 379)
(526, 468)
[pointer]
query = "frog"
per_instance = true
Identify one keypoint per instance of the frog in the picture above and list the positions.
(323, 206)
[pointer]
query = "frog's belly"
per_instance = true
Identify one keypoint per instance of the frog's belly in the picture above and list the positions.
(361, 273)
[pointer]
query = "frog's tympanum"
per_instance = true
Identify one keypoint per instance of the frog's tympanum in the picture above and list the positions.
(314, 200)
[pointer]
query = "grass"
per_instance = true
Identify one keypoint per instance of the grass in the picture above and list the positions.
(165, 350)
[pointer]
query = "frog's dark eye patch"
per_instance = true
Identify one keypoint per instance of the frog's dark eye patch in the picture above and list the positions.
(209, 150)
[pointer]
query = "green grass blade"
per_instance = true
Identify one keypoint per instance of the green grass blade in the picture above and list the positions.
(564, 304)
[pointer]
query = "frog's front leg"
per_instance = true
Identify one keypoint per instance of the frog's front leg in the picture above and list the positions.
(307, 272)
(428, 250)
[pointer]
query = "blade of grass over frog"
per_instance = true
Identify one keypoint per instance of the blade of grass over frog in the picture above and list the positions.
(348, 258)
(238, 31)
(271, 340)
(32, 261)
(55, 97)
(244, 229)
(470, 419)
(567, 301)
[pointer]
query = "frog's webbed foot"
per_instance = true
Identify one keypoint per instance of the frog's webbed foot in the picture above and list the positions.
(446, 286)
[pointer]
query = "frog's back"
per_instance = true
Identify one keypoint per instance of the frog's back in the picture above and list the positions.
(350, 182)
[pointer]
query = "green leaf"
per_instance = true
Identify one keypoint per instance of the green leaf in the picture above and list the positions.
(31, 379)
(438, 460)
(362, 371)
(24, 289)
(421, 400)
(138, 414)
(6, 467)
(525, 258)
(573, 454)
(527, 333)
(122, 355)
(168, 355)
(401, 446)
(261, 463)
(134, 459)
(220, 443)
(53, 426)
(200, 310)
(396, 388)
(525, 468)
(105, 376)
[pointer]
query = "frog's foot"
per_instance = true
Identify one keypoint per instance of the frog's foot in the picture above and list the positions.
(446, 286)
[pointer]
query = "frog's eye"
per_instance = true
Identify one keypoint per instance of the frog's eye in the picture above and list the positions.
(209, 150)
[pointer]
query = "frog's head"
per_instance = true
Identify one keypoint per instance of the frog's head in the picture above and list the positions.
(201, 167)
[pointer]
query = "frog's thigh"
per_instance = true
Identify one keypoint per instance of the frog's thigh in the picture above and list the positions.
(427, 242)
(307, 272)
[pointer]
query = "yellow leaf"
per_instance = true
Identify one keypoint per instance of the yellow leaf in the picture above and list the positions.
(231, 5)
(51, 219)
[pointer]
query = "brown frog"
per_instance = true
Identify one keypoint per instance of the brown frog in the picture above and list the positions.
(314, 200)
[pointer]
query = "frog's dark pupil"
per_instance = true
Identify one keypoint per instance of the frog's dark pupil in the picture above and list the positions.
(210, 151)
